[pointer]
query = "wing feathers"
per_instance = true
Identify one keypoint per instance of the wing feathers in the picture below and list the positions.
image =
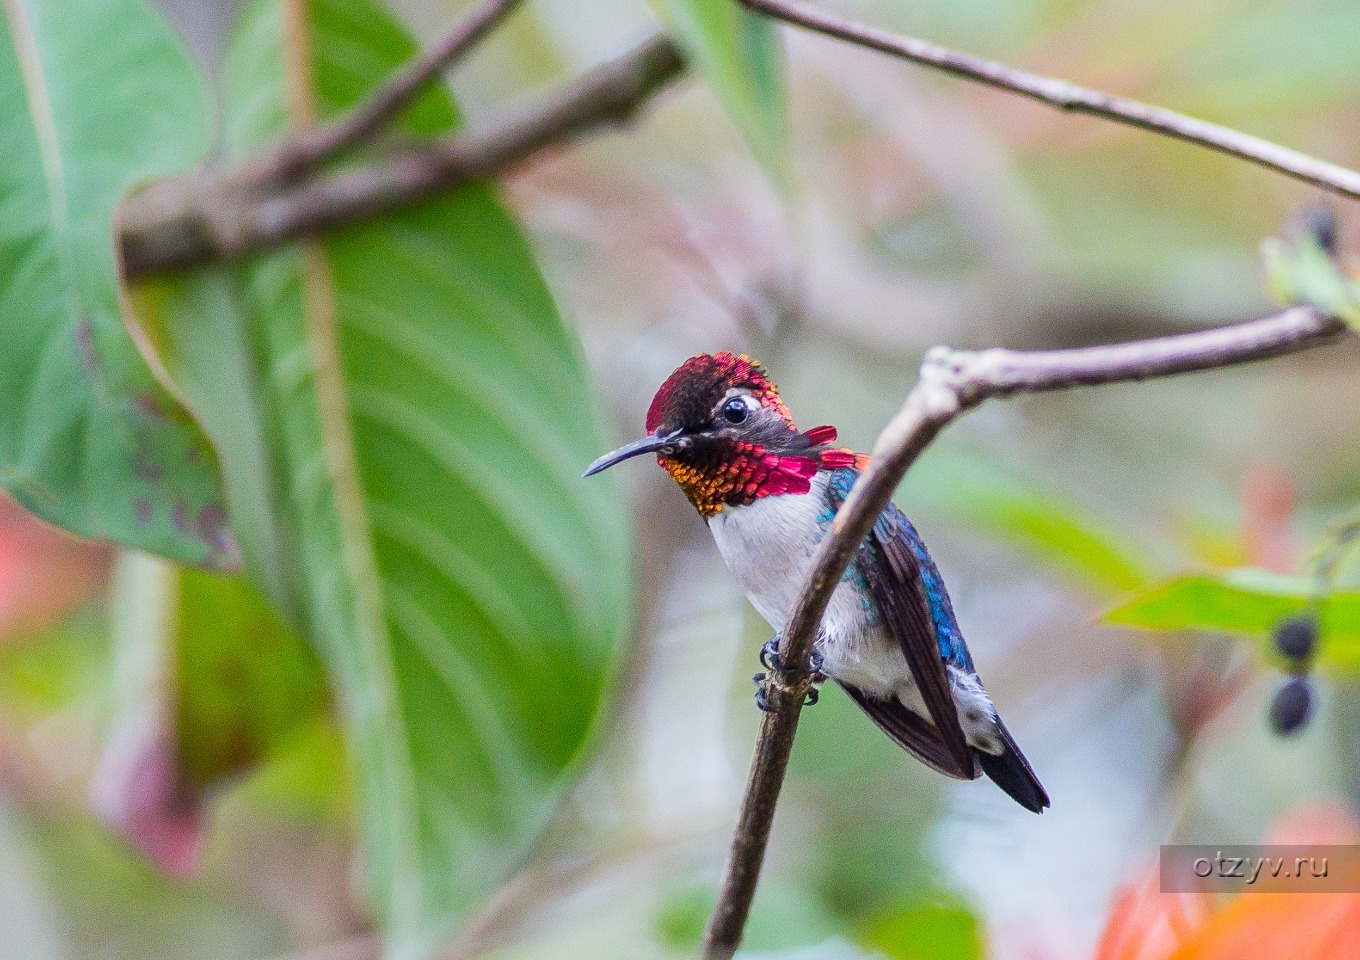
(906, 609)
(914, 734)
(894, 578)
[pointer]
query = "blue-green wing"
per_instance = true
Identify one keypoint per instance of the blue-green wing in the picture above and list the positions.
(909, 594)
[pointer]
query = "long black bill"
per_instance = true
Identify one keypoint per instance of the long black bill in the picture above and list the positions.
(648, 444)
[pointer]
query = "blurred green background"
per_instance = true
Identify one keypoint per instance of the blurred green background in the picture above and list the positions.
(898, 210)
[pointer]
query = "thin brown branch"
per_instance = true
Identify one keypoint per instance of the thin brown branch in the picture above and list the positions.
(217, 216)
(1068, 96)
(313, 150)
(951, 383)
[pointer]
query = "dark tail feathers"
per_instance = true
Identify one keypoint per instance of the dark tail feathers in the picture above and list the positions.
(1011, 772)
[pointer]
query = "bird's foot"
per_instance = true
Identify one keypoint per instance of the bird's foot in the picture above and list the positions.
(762, 681)
(769, 658)
(816, 668)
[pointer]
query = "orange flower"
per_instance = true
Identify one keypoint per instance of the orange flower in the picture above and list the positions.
(1147, 924)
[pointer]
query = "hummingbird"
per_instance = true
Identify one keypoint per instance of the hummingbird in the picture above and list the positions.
(889, 637)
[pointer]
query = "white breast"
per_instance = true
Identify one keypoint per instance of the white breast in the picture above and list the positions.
(768, 545)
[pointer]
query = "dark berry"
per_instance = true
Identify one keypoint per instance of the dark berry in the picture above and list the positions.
(1292, 706)
(1296, 636)
(1319, 221)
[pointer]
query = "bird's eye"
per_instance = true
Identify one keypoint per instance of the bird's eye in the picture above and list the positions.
(736, 410)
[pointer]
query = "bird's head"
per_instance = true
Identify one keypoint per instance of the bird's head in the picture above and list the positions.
(718, 426)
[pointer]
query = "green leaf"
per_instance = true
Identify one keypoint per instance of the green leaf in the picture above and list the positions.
(93, 102)
(1244, 601)
(740, 54)
(1301, 271)
(403, 419)
(246, 686)
(1063, 535)
(302, 777)
(926, 932)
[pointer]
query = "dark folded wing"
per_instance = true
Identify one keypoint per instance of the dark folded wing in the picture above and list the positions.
(912, 733)
(894, 574)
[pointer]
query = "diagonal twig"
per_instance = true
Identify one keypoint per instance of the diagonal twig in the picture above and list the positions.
(1068, 96)
(951, 383)
(215, 216)
(314, 149)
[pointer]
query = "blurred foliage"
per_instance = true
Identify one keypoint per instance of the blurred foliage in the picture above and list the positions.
(927, 932)
(1041, 524)
(66, 668)
(426, 533)
(89, 440)
(1303, 270)
(1246, 601)
(741, 56)
(787, 916)
(870, 837)
(120, 906)
(246, 684)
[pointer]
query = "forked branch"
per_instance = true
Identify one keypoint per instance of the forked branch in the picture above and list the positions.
(315, 148)
(951, 383)
(220, 216)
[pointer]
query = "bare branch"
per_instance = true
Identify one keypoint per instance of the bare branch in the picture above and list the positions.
(951, 383)
(314, 149)
(1069, 97)
(216, 216)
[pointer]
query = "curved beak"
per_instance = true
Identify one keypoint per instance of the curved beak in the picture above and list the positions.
(648, 444)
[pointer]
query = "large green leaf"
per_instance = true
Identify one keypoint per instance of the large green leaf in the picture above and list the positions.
(92, 101)
(1244, 601)
(740, 55)
(403, 419)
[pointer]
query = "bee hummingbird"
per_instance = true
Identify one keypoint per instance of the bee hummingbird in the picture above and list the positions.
(889, 636)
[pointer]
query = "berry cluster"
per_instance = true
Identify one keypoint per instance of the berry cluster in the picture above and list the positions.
(1295, 640)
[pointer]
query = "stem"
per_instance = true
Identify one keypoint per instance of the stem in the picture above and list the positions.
(219, 216)
(951, 383)
(1068, 96)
